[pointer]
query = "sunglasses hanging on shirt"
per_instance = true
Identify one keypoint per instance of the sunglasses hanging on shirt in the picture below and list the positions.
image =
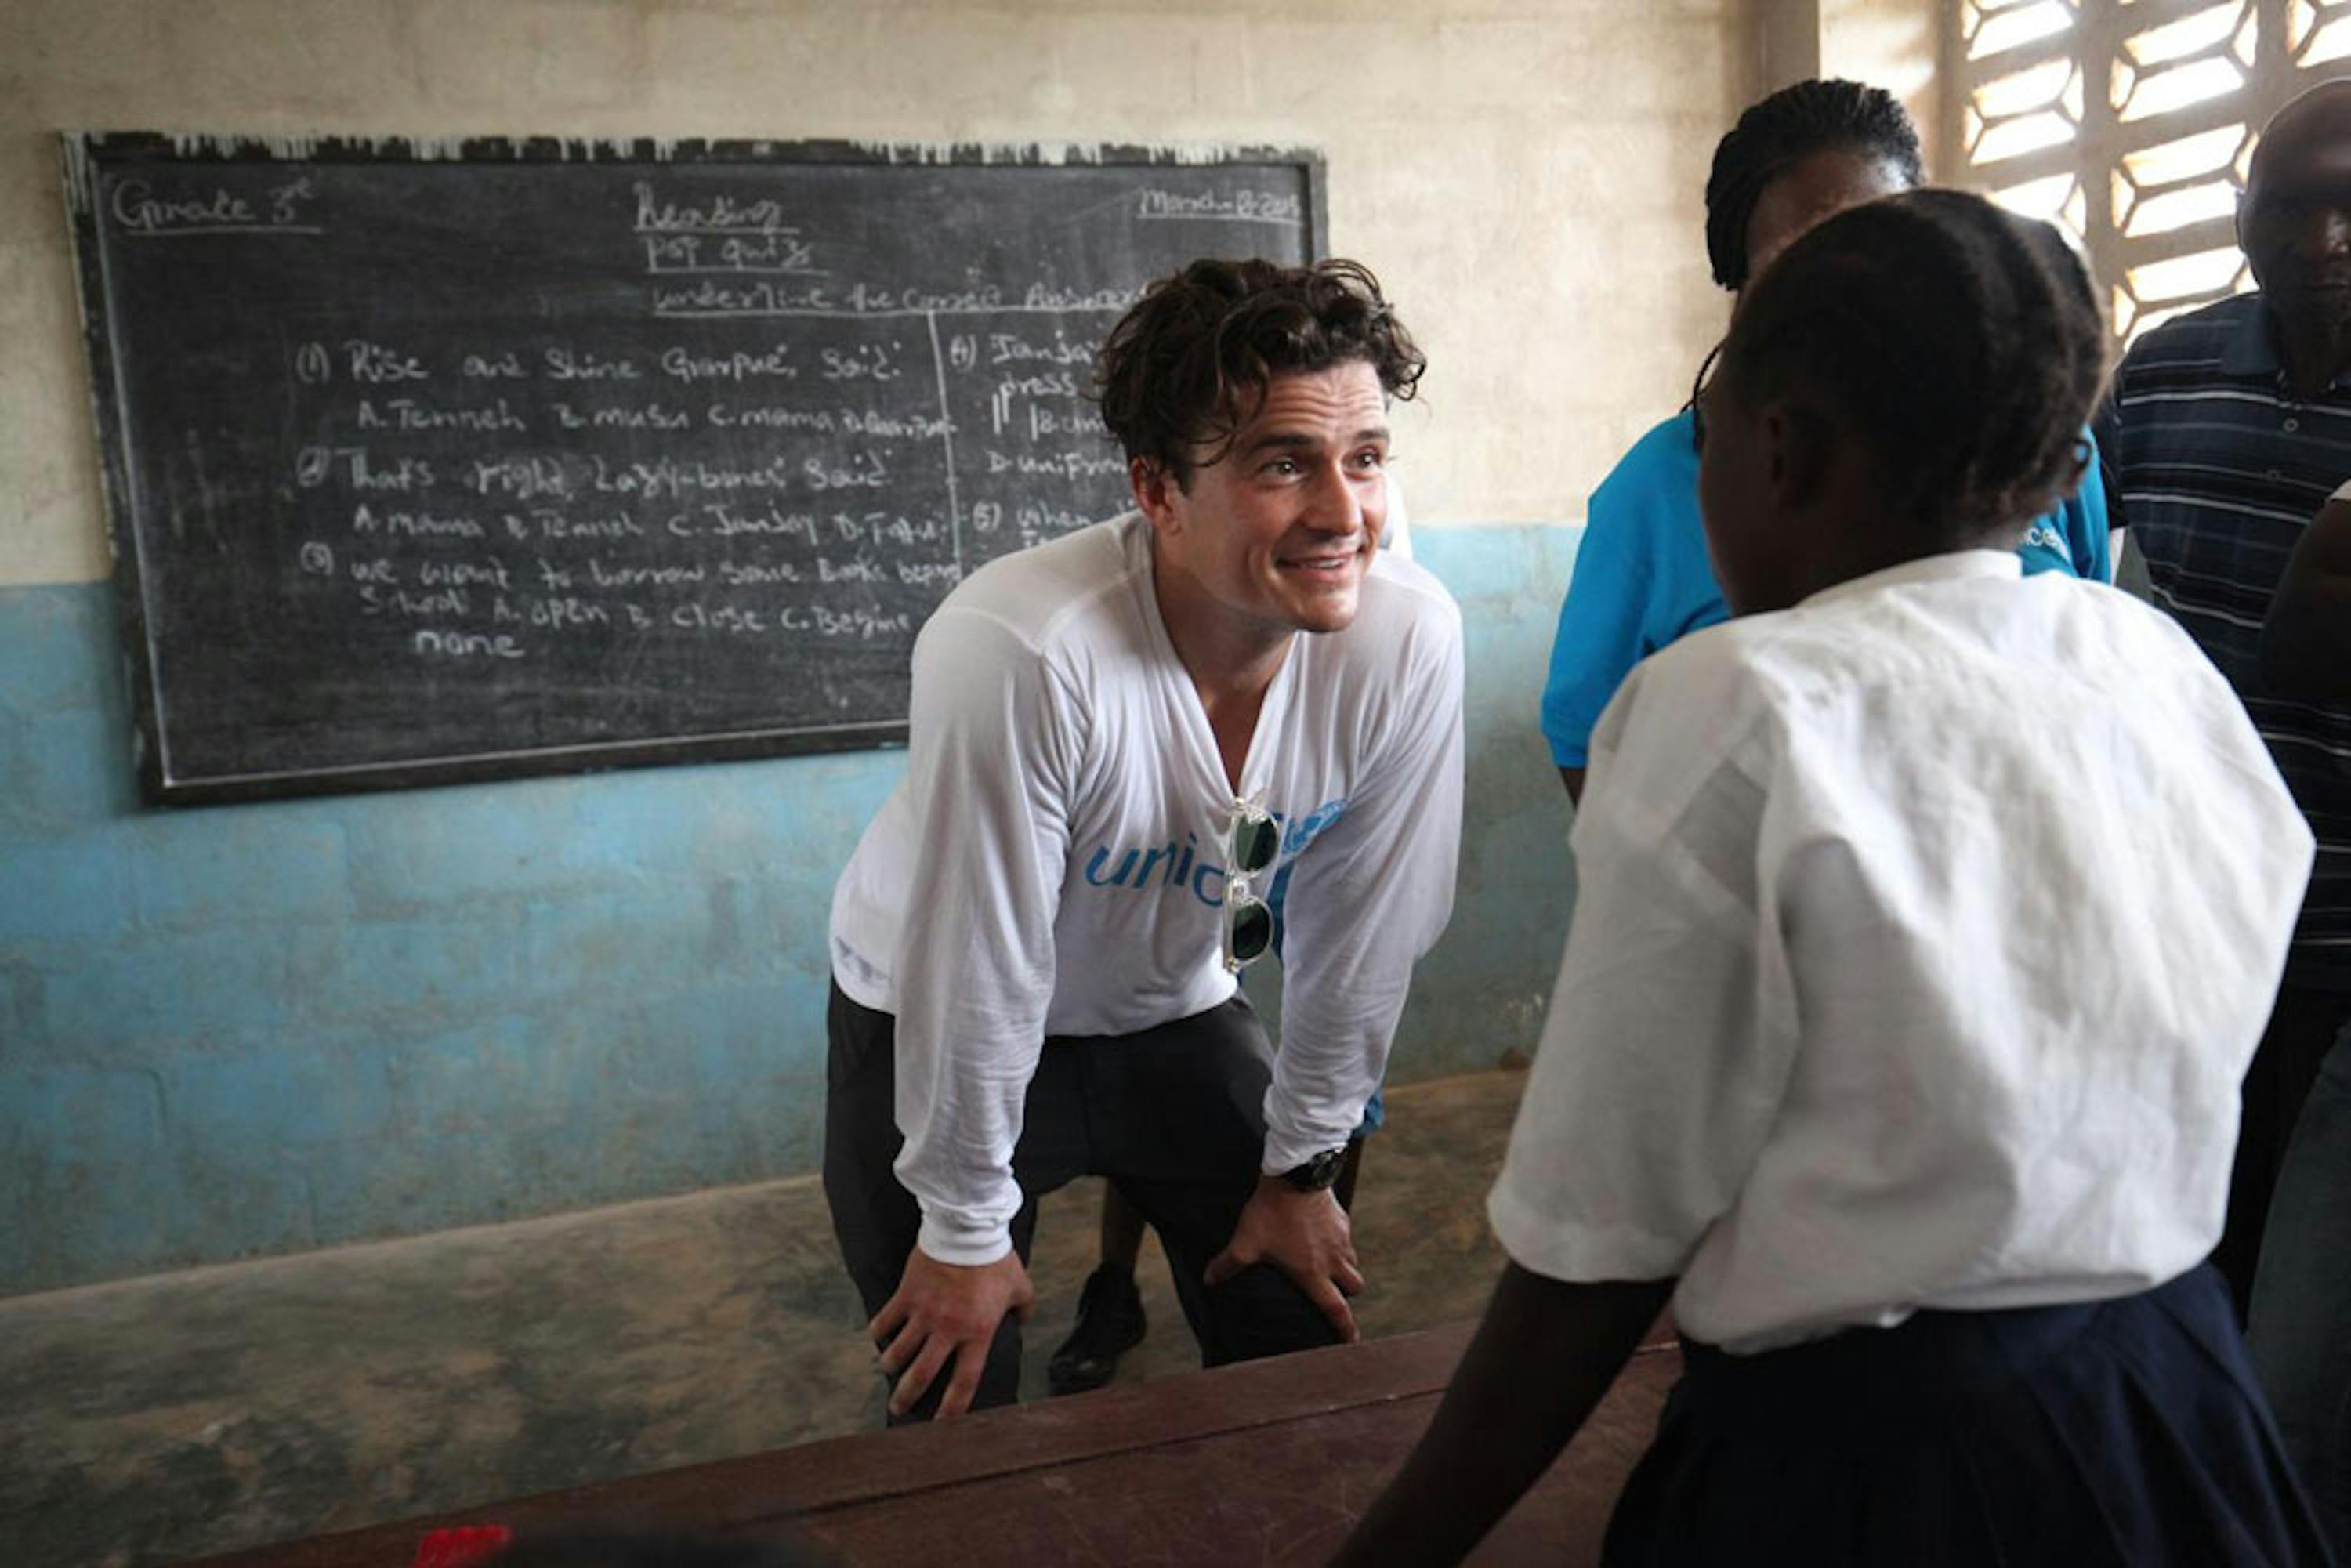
(1252, 843)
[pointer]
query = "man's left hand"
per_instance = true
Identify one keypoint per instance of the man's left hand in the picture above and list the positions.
(1306, 1235)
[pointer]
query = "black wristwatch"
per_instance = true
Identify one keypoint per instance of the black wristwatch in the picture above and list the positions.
(1318, 1172)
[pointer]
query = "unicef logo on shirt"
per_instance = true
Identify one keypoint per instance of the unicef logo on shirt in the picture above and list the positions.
(1180, 865)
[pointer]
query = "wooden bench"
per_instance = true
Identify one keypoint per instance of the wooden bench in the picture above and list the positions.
(1267, 1462)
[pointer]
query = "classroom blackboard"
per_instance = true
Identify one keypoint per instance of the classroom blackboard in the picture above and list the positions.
(427, 463)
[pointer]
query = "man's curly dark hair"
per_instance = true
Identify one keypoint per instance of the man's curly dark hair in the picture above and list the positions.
(1187, 367)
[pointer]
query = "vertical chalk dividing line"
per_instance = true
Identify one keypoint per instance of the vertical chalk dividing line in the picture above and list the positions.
(947, 435)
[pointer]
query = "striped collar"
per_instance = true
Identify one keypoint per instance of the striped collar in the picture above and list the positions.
(2250, 345)
(2249, 348)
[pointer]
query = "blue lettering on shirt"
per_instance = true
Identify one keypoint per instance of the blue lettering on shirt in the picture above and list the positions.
(1179, 864)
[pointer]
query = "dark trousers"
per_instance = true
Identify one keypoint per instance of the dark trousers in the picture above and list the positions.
(2121, 1434)
(1173, 1115)
(2303, 1025)
(2300, 1330)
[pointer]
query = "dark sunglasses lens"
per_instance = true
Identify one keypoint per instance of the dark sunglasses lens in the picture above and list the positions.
(1252, 931)
(1254, 843)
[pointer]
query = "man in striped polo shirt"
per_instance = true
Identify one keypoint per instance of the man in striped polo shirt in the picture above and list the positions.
(2231, 428)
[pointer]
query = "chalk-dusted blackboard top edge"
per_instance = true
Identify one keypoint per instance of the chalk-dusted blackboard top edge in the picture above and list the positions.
(344, 148)
(83, 148)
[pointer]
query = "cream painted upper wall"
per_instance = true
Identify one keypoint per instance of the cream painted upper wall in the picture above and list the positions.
(1896, 44)
(1525, 177)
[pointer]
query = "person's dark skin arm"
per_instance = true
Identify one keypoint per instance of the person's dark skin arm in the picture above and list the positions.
(2106, 429)
(2307, 640)
(1573, 778)
(1542, 1359)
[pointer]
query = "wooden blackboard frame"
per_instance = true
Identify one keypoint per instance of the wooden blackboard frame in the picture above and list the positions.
(85, 153)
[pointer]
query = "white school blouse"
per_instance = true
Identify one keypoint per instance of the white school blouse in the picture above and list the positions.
(1924, 933)
(1050, 864)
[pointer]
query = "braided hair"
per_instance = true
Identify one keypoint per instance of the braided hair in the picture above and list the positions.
(1783, 131)
(1962, 344)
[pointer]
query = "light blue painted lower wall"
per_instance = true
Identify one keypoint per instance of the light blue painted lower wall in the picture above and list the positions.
(259, 1028)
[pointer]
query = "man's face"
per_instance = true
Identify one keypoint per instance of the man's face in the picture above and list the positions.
(2295, 221)
(1275, 535)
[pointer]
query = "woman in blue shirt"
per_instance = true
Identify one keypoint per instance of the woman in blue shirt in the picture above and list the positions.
(1642, 577)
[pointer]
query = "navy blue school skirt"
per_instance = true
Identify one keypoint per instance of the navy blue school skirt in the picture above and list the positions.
(2127, 1433)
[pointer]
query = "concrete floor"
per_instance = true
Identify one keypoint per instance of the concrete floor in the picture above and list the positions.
(199, 1412)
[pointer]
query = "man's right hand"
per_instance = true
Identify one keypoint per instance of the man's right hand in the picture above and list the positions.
(1307, 1236)
(942, 1313)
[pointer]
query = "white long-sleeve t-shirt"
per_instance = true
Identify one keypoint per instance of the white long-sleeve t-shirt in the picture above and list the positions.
(1052, 863)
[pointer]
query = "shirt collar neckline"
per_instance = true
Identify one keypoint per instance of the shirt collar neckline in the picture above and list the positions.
(2251, 347)
(1256, 766)
(1956, 566)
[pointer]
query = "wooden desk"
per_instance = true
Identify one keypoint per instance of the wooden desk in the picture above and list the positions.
(1268, 1462)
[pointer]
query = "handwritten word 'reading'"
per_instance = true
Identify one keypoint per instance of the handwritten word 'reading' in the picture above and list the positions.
(721, 214)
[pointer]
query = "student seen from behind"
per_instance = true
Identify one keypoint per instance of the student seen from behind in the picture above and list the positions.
(1928, 919)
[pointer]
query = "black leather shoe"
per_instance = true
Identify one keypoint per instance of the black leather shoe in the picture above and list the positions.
(1110, 1321)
